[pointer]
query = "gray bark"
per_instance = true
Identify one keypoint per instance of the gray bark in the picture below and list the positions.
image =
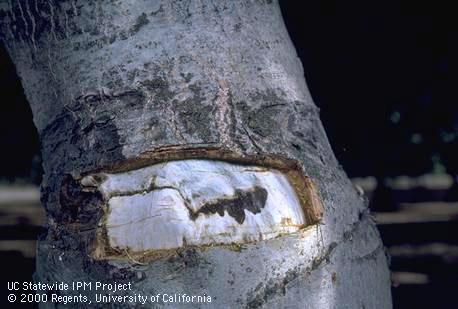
(116, 85)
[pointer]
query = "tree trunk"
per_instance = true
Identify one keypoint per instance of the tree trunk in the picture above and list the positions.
(119, 88)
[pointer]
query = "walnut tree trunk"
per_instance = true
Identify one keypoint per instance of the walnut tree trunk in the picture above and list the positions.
(118, 85)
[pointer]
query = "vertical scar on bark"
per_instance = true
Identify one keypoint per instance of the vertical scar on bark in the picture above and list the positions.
(252, 200)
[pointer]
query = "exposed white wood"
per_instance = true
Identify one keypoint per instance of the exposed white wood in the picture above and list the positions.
(160, 206)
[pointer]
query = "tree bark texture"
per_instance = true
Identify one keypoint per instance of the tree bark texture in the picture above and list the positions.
(117, 85)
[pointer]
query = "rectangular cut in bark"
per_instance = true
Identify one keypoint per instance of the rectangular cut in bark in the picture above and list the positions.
(197, 202)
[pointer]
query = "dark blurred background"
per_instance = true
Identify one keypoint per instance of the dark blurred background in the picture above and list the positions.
(384, 74)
